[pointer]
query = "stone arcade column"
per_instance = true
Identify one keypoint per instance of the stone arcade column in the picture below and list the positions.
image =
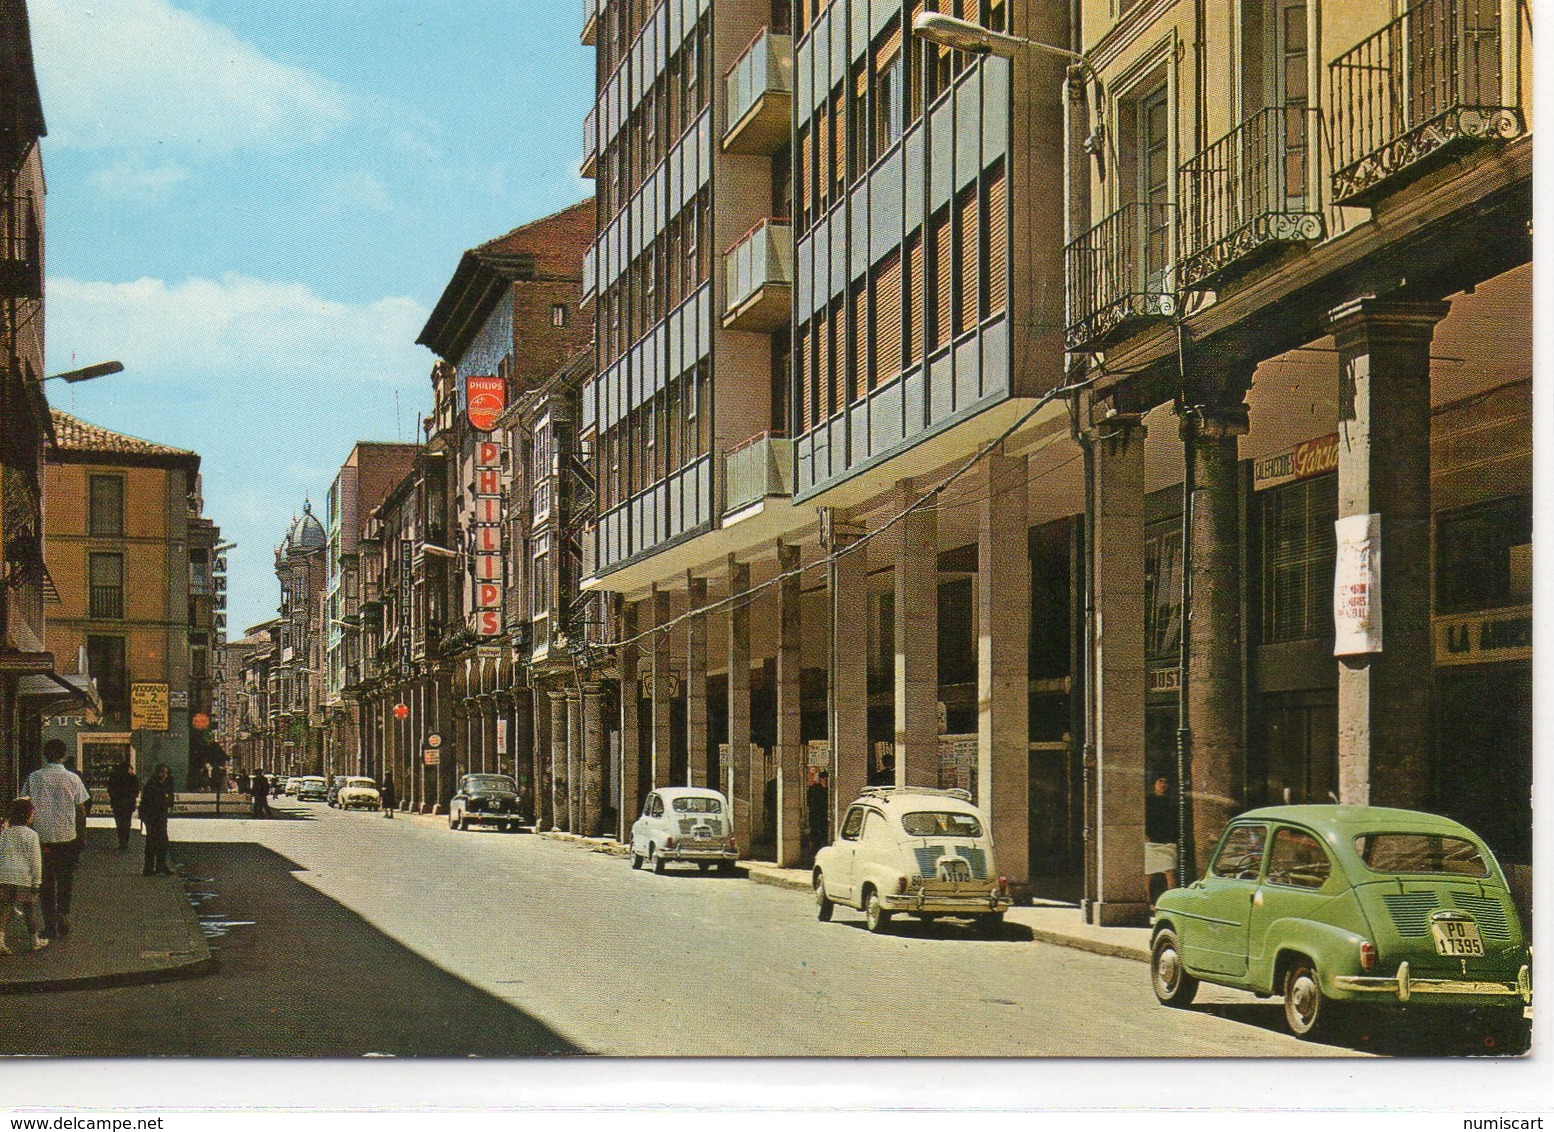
(790, 746)
(917, 645)
(1003, 663)
(1384, 708)
(696, 756)
(847, 687)
(662, 705)
(544, 802)
(559, 783)
(631, 738)
(574, 758)
(594, 755)
(739, 702)
(1214, 673)
(1116, 820)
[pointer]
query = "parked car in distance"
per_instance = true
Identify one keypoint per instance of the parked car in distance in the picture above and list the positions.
(912, 850)
(358, 794)
(292, 785)
(278, 785)
(311, 788)
(1337, 906)
(485, 799)
(335, 783)
(684, 824)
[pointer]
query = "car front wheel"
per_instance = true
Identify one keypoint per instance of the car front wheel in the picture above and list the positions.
(452, 822)
(1307, 1011)
(874, 913)
(1173, 985)
(823, 905)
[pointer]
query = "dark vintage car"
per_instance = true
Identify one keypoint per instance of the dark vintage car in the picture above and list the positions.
(1333, 907)
(490, 799)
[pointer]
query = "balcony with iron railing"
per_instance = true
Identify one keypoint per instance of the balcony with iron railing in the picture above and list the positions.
(590, 143)
(758, 469)
(1247, 195)
(106, 603)
(591, 21)
(758, 278)
(1438, 79)
(21, 246)
(1120, 277)
(758, 93)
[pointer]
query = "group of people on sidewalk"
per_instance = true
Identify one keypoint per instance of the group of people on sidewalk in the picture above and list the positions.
(44, 833)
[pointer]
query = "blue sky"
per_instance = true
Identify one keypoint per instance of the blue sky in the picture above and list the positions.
(255, 206)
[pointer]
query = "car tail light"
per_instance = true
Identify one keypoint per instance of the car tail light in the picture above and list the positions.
(1367, 955)
(669, 844)
(901, 886)
(1003, 886)
(733, 845)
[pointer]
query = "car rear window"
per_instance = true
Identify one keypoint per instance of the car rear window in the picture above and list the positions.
(1420, 853)
(698, 806)
(491, 782)
(940, 823)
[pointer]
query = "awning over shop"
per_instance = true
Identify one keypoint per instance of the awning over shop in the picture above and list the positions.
(54, 694)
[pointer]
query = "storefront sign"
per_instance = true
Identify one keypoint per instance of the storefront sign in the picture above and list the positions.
(1165, 679)
(148, 707)
(178, 699)
(1311, 458)
(501, 736)
(1482, 638)
(1357, 586)
(487, 595)
(485, 397)
(430, 756)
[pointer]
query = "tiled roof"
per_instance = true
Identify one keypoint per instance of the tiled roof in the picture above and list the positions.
(551, 241)
(72, 434)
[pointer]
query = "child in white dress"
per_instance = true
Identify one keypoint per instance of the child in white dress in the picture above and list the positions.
(21, 872)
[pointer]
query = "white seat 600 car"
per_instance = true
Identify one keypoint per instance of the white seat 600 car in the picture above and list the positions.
(916, 851)
(684, 823)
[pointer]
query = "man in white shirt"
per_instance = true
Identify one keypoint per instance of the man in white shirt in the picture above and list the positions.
(59, 799)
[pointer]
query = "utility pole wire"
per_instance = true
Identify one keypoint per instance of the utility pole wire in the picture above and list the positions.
(922, 501)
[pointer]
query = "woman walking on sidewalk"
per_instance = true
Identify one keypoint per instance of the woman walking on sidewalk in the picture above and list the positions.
(156, 802)
(387, 799)
(21, 872)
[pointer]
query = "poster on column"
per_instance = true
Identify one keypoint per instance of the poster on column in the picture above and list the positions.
(1357, 586)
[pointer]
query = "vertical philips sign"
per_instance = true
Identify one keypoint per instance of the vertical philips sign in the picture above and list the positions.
(486, 397)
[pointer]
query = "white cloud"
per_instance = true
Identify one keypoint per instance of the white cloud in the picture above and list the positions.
(133, 75)
(280, 333)
(130, 180)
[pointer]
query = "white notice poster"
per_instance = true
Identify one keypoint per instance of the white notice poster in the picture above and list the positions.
(1357, 586)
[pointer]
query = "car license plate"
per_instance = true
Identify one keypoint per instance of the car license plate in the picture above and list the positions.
(1456, 938)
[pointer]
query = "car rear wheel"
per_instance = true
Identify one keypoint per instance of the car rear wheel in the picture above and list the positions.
(823, 905)
(636, 859)
(1307, 1011)
(658, 861)
(875, 915)
(1173, 985)
(452, 822)
(991, 924)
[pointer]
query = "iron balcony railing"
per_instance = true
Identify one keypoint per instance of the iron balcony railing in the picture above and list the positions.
(1120, 275)
(760, 467)
(590, 142)
(1247, 194)
(763, 71)
(762, 258)
(1424, 85)
(21, 246)
(107, 602)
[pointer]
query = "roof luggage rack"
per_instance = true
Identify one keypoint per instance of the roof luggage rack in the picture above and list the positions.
(884, 792)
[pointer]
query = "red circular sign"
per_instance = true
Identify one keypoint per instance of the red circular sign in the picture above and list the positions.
(200, 721)
(400, 711)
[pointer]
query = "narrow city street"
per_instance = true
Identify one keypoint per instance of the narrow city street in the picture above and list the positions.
(346, 934)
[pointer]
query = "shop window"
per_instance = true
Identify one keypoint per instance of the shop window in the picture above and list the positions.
(1483, 556)
(1163, 590)
(1299, 552)
(105, 517)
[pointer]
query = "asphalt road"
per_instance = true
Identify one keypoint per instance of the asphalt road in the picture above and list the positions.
(347, 935)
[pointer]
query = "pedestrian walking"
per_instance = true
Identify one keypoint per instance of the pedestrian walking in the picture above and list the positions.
(123, 793)
(59, 802)
(817, 800)
(244, 783)
(21, 873)
(387, 798)
(156, 802)
(1160, 832)
(259, 790)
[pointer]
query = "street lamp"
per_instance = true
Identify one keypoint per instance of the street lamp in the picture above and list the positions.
(86, 373)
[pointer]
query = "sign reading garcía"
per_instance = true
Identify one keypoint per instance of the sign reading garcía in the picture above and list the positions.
(1311, 458)
(1357, 586)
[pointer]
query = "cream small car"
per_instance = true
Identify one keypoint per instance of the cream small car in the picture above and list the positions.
(684, 824)
(358, 794)
(914, 851)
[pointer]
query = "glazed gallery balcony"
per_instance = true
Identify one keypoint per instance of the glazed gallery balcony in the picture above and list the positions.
(590, 143)
(759, 468)
(759, 93)
(21, 246)
(1441, 78)
(758, 278)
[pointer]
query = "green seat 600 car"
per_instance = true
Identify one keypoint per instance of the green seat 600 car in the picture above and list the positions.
(1346, 904)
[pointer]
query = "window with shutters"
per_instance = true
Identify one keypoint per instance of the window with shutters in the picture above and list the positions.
(858, 127)
(968, 275)
(1299, 554)
(839, 113)
(914, 298)
(105, 506)
(817, 411)
(823, 173)
(782, 359)
(914, 67)
(837, 371)
(889, 93)
(887, 320)
(941, 270)
(806, 380)
(996, 243)
(106, 580)
(858, 375)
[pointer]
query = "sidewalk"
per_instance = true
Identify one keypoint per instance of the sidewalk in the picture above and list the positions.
(124, 927)
(1061, 925)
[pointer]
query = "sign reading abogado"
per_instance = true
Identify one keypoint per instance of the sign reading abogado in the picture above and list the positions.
(488, 534)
